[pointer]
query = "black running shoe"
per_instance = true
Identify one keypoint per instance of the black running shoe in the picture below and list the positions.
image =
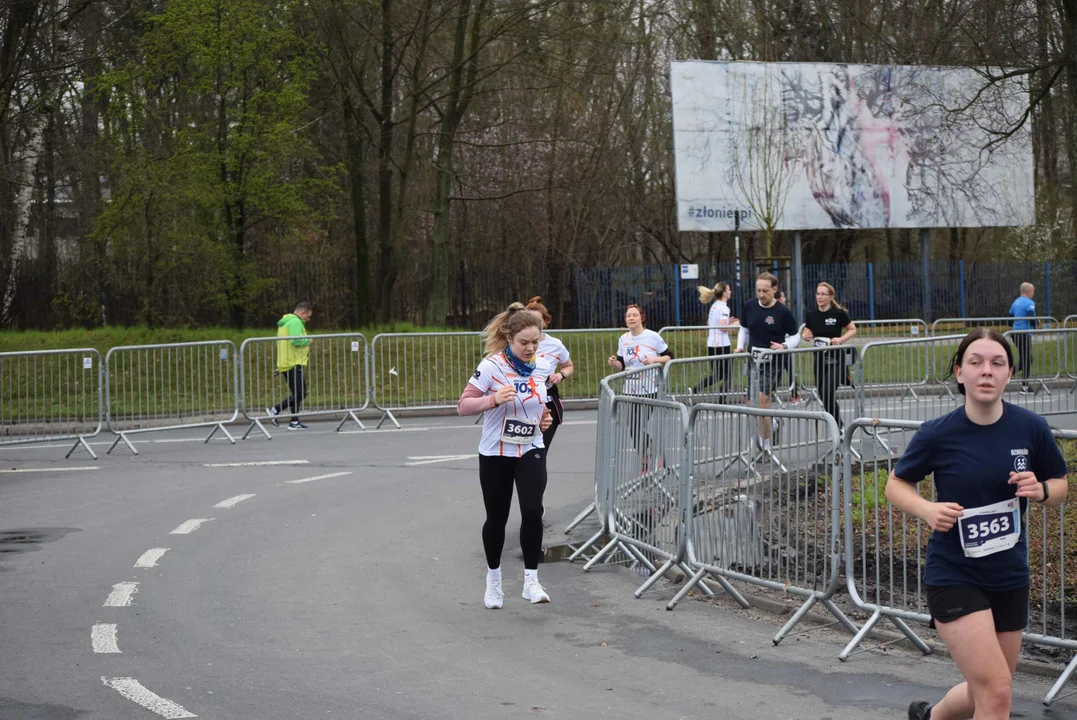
(920, 710)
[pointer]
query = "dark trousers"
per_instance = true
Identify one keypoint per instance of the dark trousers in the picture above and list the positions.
(719, 374)
(829, 368)
(1023, 341)
(497, 475)
(298, 385)
(557, 413)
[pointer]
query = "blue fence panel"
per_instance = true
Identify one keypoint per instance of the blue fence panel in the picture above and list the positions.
(882, 291)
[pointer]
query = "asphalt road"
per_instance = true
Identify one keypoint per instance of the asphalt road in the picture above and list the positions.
(358, 594)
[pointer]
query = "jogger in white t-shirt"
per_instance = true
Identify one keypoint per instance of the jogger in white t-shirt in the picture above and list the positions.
(510, 388)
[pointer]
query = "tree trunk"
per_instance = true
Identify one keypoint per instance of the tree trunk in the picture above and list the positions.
(363, 312)
(387, 264)
(468, 23)
(23, 197)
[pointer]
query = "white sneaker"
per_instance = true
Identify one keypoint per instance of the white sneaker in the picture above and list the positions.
(534, 592)
(495, 598)
(766, 444)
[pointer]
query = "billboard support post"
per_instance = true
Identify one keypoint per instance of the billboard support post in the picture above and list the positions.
(925, 271)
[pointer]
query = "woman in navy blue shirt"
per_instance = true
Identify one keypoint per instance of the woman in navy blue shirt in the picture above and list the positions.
(989, 459)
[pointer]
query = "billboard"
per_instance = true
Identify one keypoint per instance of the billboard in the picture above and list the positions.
(801, 146)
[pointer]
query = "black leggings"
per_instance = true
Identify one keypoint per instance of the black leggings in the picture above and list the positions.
(1023, 341)
(557, 412)
(298, 385)
(829, 367)
(638, 417)
(496, 475)
(720, 372)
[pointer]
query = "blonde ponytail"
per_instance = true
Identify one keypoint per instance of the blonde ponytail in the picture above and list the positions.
(706, 295)
(499, 332)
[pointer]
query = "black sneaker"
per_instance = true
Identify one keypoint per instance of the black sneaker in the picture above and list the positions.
(1026, 390)
(273, 412)
(296, 425)
(920, 710)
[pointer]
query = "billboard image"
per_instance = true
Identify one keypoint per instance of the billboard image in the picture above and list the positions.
(800, 146)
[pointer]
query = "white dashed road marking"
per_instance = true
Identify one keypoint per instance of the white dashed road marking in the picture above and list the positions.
(232, 501)
(317, 477)
(258, 463)
(45, 470)
(134, 691)
(150, 557)
(103, 637)
(189, 527)
(436, 459)
(121, 594)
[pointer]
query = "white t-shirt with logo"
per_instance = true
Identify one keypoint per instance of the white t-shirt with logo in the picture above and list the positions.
(553, 353)
(493, 373)
(635, 349)
(719, 312)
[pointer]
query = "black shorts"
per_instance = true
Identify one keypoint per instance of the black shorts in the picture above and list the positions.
(768, 376)
(1009, 607)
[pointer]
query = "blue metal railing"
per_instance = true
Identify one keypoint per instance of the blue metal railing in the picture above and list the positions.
(871, 291)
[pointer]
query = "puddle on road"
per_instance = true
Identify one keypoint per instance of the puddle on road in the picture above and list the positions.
(558, 553)
(16, 542)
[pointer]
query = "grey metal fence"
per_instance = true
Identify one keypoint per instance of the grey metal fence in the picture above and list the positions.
(953, 325)
(765, 518)
(51, 395)
(333, 381)
(151, 388)
(421, 371)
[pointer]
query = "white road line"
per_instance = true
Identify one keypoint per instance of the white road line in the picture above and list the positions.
(317, 477)
(189, 527)
(150, 557)
(232, 501)
(446, 458)
(439, 428)
(134, 691)
(57, 469)
(121, 594)
(103, 638)
(258, 463)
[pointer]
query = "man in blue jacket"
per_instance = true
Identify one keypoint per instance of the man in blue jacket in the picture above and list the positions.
(1023, 307)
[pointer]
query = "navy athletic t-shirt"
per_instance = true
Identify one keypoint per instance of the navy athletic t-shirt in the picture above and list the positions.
(767, 325)
(972, 465)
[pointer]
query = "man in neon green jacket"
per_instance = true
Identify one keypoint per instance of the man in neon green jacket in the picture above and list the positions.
(293, 350)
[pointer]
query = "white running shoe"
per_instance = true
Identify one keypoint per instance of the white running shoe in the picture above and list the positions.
(495, 598)
(534, 592)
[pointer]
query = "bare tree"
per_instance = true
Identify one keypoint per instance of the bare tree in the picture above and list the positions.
(763, 164)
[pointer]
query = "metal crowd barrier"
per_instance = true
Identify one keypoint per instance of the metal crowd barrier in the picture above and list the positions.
(336, 379)
(51, 396)
(891, 329)
(609, 387)
(964, 325)
(885, 550)
(1070, 321)
(717, 378)
(425, 371)
(643, 484)
(603, 434)
(767, 518)
(589, 349)
(912, 379)
(687, 341)
(905, 379)
(152, 388)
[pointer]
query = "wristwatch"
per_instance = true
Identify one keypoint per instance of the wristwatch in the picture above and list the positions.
(1046, 492)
